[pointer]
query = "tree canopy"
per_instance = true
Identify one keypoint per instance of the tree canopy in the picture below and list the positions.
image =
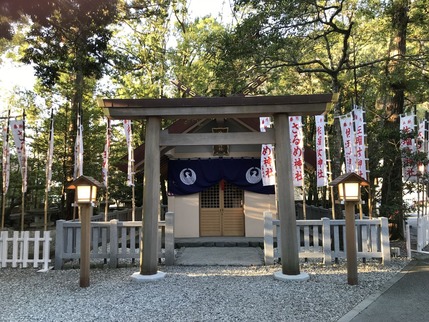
(372, 53)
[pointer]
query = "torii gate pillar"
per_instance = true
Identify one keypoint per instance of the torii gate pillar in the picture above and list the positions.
(151, 184)
(286, 203)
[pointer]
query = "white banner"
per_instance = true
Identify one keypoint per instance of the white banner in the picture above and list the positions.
(421, 136)
(18, 134)
(78, 151)
(422, 144)
(106, 155)
(346, 123)
(360, 147)
(264, 123)
(128, 137)
(6, 159)
(297, 150)
(408, 145)
(268, 168)
(50, 156)
(321, 166)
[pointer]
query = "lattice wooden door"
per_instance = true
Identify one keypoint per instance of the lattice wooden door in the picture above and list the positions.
(221, 211)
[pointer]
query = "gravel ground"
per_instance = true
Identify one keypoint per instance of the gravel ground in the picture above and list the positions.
(189, 293)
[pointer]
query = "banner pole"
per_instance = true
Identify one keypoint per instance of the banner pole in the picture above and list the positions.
(23, 171)
(5, 169)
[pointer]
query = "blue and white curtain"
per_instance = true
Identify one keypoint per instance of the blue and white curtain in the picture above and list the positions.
(192, 176)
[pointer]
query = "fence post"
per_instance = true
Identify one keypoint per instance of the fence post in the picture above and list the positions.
(169, 238)
(385, 243)
(25, 243)
(113, 262)
(46, 250)
(59, 244)
(426, 231)
(3, 250)
(326, 240)
(276, 224)
(419, 234)
(15, 247)
(407, 238)
(36, 249)
(159, 239)
(268, 238)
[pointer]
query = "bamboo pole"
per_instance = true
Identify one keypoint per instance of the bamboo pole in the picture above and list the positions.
(426, 137)
(22, 210)
(49, 168)
(370, 210)
(4, 173)
(45, 224)
(106, 178)
(3, 210)
(330, 175)
(23, 172)
(133, 201)
(106, 207)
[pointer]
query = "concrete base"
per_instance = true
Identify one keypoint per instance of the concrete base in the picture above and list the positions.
(283, 277)
(148, 278)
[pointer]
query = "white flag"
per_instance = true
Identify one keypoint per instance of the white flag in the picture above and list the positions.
(105, 168)
(321, 166)
(408, 145)
(346, 123)
(6, 158)
(78, 151)
(297, 150)
(18, 134)
(360, 147)
(50, 155)
(128, 136)
(268, 168)
(422, 144)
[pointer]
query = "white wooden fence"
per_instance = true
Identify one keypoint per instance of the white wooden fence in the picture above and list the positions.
(112, 241)
(22, 250)
(421, 226)
(326, 239)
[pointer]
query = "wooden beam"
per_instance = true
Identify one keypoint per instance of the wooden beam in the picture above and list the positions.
(231, 138)
(212, 107)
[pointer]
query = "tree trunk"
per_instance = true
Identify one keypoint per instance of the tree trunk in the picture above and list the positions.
(391, 198)
(335, 148)
(76, 110)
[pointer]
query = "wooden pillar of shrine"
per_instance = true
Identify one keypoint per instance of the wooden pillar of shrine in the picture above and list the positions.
(151, 184)
(285, 197)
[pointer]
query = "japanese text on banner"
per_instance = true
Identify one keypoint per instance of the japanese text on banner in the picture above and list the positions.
(408, 145)
(106, 152)
(346, 123)
(422, 143)
(128, 136)
(321, 166)
(360, 147)
(18, 134)
(268, 169)
(78, 153)
(297, 150)
(6, 159)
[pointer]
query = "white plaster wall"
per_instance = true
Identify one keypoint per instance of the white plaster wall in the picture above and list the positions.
(186, 215)
(254, 206)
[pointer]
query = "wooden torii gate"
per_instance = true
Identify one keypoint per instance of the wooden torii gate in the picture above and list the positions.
(279, 107)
